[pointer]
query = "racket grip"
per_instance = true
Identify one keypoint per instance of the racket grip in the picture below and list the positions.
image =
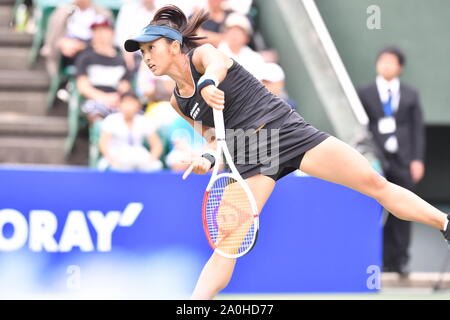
(219, 124)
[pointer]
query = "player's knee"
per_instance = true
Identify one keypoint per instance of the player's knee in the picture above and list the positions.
(375, 184)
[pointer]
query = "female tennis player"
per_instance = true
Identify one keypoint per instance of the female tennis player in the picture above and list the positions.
(205, 79)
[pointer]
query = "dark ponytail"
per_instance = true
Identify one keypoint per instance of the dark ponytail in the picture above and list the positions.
(172, 16)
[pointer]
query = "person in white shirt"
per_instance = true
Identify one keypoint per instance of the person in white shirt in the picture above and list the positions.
(133, 16)
(238, 31)
(389, 87)
(122, 139)
(240, 6)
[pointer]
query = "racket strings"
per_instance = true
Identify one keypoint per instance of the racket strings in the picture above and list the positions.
(229, 217)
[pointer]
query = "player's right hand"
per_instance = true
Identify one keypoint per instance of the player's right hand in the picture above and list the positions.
(214, 97)
(199, 165)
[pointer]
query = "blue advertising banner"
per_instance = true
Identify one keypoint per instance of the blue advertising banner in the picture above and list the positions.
(79, 233)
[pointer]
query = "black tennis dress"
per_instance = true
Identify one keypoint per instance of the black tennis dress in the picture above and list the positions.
(263, 133)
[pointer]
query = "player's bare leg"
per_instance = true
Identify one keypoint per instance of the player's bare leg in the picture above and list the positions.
(218, 270)
(335, 161)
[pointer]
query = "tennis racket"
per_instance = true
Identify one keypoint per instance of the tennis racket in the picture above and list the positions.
(229, 212)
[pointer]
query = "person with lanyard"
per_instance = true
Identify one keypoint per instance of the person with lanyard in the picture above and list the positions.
(205, 79)
(396, 123)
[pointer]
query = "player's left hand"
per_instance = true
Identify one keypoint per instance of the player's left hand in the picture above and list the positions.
(199, 165)
(214, 97)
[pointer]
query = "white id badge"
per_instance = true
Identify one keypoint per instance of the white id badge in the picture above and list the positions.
(391, 144)
(387, 125)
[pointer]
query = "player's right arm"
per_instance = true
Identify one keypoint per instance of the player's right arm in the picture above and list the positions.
(199, 165)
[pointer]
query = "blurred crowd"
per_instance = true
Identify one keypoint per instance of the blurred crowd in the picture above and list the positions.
(138, 129)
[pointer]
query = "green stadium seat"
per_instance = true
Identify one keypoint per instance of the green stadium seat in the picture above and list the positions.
(63, 75)
(74, 116)
(94, 140)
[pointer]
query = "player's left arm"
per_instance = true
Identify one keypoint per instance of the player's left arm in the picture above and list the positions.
(214, 65)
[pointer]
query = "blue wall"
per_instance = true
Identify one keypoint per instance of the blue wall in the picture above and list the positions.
(82, 233)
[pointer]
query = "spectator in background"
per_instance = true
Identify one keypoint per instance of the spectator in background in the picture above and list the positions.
(101, 73)
(213, 28)
(397, 126)
(69, 32)
(272, 76)
(238, 31)
(155, 93)
(187, 6)
(122, 139)
(153, 89)
(133, 16)
(240, 6)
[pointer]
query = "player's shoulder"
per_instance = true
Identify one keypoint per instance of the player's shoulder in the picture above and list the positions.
(204, 48)
(199, 52)
(202, 54)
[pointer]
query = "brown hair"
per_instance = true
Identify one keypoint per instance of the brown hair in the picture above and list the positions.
(173, 17)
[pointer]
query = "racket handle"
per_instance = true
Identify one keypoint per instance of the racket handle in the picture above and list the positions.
(219, 124)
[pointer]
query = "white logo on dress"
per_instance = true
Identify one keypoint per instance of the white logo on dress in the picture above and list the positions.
(194, 111)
